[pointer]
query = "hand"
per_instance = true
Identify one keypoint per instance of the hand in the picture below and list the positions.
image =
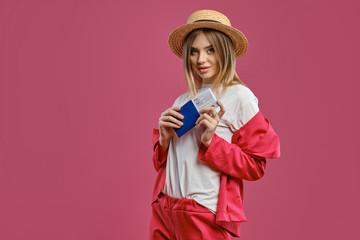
(208, 122)
(167, 122)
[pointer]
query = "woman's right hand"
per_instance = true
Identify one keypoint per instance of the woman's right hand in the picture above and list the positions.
(167, 122)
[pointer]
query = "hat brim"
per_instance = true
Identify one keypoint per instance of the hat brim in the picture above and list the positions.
(177, 37)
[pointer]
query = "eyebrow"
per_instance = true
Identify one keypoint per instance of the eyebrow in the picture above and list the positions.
(210, 46)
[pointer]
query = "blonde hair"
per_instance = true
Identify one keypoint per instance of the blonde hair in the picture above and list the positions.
(225, 54)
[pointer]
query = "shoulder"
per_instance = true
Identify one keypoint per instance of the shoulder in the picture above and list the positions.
(240, 94)
(240, 104)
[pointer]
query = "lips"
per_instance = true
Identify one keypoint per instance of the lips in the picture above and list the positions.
(203, 69)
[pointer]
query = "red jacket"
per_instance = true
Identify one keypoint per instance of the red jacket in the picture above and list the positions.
(242, 159)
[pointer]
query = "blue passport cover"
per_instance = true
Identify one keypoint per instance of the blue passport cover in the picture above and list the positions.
(188, 110)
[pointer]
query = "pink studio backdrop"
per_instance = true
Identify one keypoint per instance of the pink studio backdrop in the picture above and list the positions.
(82, 84)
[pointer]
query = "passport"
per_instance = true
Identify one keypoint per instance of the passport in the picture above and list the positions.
(191, 109)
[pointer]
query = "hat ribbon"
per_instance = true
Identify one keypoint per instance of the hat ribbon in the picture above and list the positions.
(206, 20)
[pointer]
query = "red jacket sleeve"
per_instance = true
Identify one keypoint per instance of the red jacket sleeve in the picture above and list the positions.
(158, 158)
(245, 157)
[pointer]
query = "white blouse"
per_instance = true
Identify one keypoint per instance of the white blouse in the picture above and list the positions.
(188, 177)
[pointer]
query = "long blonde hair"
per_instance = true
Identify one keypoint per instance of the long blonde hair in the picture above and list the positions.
(225, 54)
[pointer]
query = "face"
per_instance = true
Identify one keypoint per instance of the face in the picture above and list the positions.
(203, 58)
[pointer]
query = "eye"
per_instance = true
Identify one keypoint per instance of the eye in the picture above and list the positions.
(193, 51)
(211, 50)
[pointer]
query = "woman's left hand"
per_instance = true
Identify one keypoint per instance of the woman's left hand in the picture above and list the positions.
(208, 122)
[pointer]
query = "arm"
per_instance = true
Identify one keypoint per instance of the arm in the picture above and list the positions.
(230, 159)
(245, 157)
(162, 136)
(160, 154)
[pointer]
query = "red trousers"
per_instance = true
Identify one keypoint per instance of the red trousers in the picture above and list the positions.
(183, 219)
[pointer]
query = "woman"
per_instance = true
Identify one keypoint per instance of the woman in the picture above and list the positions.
(198, 192)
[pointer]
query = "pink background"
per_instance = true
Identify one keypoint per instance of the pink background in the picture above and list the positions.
(82, 84)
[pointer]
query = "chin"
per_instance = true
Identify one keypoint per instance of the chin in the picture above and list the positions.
(205, 78)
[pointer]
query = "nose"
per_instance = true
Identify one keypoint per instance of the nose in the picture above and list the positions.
(202, 57)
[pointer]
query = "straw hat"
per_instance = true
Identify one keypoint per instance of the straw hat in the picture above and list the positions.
(207, 19)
